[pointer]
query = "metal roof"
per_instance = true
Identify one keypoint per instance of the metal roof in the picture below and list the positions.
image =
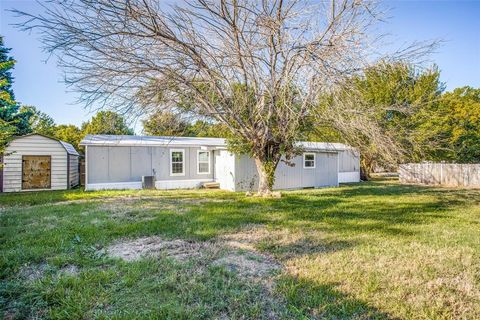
(126, 140)
(67, 146)
(328, 146)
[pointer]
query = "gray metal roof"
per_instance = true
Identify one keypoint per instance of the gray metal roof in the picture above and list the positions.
(69, 148)
(121, 140)
(326, 146)
(125, 140)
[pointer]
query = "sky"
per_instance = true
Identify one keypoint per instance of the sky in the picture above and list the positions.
(38, 81)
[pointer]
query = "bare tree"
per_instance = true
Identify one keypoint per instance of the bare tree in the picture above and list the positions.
(257, 66)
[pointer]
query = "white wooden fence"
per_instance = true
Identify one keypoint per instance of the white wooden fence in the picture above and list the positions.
(447, 174)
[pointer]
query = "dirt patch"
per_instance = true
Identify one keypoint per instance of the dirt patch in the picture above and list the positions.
(34, 272)
(250, 237)
(154, 246)
(248, 264)
(241, 260)
(70, 270)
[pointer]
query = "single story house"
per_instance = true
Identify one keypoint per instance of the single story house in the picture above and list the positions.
(38, 162)
(121, 162)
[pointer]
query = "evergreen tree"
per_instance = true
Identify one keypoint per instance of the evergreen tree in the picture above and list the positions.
(12, 122)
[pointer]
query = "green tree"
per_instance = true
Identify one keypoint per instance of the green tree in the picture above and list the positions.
(398, 97)
(39, 121)
(402, 94)
(203, 128)
(69, 133)
(12, 122)
(453, 126)
(107, 122)
(165, 123)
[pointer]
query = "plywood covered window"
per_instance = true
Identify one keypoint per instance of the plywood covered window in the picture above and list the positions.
(203, 162)
(177, 162)
(309, 160)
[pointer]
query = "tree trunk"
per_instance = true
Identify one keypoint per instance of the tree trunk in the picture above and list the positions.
(364, 176)
(366, 168)
(266, 176)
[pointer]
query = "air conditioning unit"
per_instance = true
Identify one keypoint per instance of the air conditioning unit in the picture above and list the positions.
(148, 182)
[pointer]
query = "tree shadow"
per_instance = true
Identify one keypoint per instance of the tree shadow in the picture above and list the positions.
(307, 299)
(375, 207)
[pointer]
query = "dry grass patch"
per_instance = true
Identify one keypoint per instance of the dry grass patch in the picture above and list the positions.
(236, 252)
(250, 237)
(34, 272)
(132, 250)
(251, 265)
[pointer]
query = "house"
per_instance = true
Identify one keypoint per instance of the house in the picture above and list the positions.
(120, 162)
(38, 162)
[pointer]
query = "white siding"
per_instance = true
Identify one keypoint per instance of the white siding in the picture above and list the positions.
(348, 161)
(129, 164)
(324, 174)
(34, 145)
(348, 166)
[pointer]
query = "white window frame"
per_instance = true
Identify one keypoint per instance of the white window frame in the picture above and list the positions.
(314, 160)
(198, 161)
(183, 163)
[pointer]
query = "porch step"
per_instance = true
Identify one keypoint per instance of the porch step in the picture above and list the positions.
(211, 185)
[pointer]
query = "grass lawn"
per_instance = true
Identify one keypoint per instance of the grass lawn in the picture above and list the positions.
(374, 250)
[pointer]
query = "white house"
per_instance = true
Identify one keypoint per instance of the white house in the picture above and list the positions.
(120, 162)
(38, 162)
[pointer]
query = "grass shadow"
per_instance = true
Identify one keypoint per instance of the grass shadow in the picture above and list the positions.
(307, 299)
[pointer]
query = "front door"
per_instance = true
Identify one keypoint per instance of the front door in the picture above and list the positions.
(36, 172)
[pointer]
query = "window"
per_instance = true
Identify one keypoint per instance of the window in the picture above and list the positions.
(177, 162)
(203, 162)
(309, 160)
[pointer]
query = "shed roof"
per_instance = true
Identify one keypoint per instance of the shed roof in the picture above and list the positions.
(70, 149)
(126, 140)
(67, 146)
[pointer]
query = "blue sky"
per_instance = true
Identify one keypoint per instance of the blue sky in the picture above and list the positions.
(39, 83)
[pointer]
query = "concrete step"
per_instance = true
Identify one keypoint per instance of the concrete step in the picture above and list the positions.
(211, 185)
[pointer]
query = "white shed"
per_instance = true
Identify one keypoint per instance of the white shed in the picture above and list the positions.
(38, 162)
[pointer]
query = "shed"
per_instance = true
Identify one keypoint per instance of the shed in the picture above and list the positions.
(38, 162)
